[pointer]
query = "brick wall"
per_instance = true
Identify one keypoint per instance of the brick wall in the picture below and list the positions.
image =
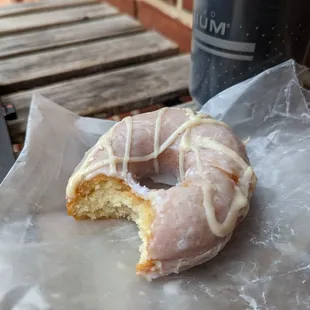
(173, 18)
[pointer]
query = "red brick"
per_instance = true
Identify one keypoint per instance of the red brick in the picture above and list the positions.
(123, 115)
(185, 99)
(17, 148)
(188, 5)
(150, 108)
(173, 29)
(125, 6)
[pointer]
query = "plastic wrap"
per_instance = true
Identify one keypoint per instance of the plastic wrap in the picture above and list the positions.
(50, 261)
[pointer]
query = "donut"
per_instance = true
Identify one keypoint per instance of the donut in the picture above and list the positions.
(186, 224)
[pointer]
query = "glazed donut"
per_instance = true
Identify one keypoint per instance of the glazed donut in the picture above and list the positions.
(190, 222)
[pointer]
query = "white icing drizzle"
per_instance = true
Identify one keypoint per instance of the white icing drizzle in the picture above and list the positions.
(208, 143)
(187, 125)
(191, 113)
(157, 137)
(78, 174)
(222, 229)
(128, 121)
(108, 146)
(198, 161)
(184, 147)
(240, 200)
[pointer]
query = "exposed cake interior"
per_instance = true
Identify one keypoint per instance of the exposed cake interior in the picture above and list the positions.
(104, 197)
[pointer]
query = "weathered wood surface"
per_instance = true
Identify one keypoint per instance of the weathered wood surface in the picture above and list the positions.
(21, 8)
(110, 93)
(15, 24)
(51, 66)
(67, 35)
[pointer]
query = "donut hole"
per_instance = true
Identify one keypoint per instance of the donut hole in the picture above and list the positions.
(159, 181)
(149, 183)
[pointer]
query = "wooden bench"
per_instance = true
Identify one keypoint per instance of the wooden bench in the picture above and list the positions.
(86, 56)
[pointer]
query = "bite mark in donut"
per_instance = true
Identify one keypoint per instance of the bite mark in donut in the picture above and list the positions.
(187, 224)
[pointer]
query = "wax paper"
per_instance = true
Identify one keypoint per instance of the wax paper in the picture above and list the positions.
(50, 261)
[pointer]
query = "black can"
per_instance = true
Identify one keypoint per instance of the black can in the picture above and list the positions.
(234, 40)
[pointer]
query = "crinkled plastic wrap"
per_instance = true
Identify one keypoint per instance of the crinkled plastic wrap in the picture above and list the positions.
(50, 261)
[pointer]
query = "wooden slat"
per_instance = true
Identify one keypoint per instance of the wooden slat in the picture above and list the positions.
(9, 25)
(39, 69)
(111, 93)
(22, 8)
(66, 35)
